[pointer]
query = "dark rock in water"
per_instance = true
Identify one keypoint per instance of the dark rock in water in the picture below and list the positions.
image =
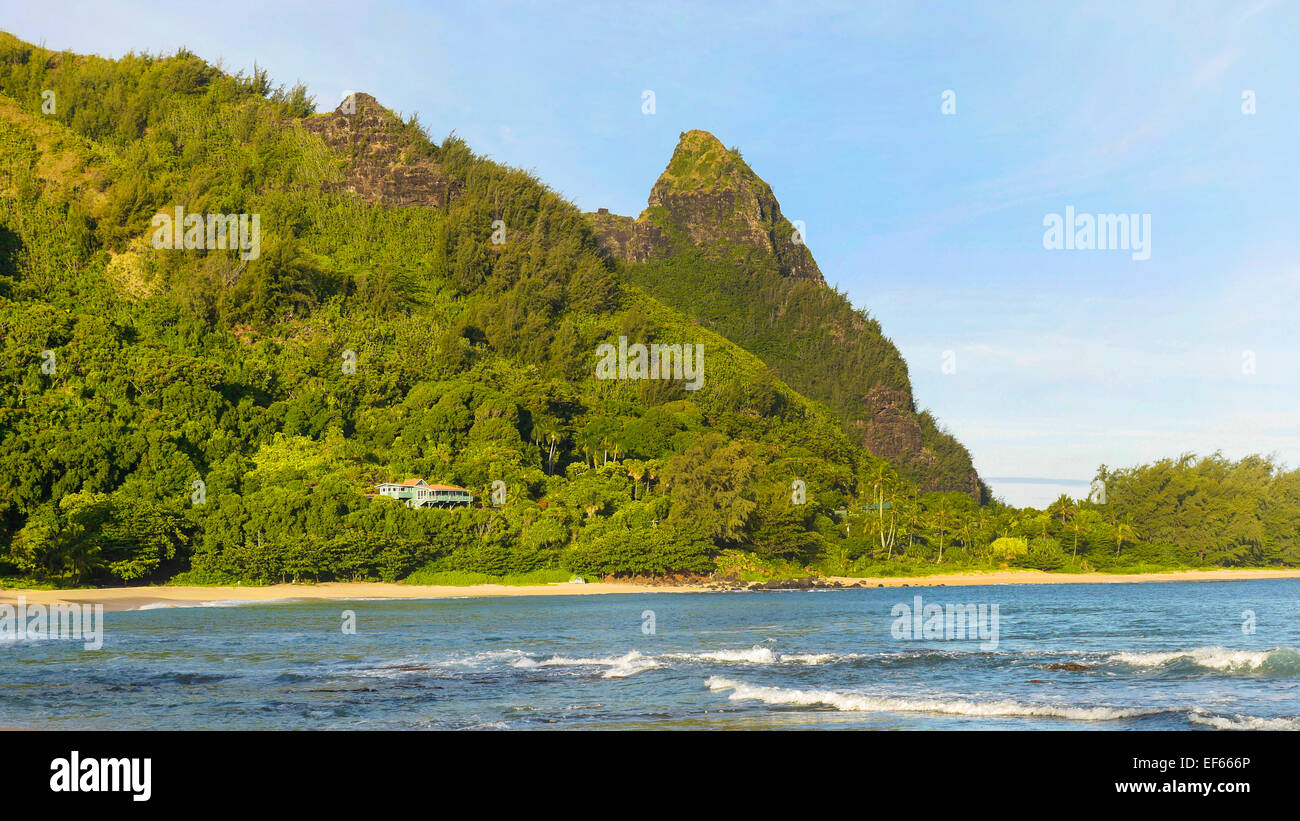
(1038, 681)
(1066, 667)
(807, 583)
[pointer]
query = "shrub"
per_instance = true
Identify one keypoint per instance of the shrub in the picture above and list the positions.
(1008, 547)
(642, 552)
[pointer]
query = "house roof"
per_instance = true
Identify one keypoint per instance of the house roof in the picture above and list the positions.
(418, 482)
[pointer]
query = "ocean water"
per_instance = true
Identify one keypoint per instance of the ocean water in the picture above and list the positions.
(1087, 657)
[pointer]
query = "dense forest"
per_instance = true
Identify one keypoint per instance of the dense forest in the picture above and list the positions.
(417, 310)
(713, 243)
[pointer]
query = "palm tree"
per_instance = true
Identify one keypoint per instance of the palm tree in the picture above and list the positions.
(912, 516)
(983, 522)
(943, 523)
(1064, 507)
(635, 470)
(651, 473)
(1123, 530)
(886, 537)
(554, 438)
(1076, 525)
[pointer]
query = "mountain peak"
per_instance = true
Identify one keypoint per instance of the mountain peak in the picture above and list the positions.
(359, 102)
(710, 198)
(383, 160)
(710, 208)
(701, 162)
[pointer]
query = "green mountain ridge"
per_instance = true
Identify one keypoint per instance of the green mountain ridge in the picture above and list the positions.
(417, 310)
(196, 411)
(713, 243)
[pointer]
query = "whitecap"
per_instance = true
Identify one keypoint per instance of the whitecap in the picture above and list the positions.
(1243, 722)
(1215, 658)
(628, 664)
(167, 605)
(754, 655)
(476, 659)
(763, 655)
(862, 703)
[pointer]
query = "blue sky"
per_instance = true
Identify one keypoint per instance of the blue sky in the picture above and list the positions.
(932, 222)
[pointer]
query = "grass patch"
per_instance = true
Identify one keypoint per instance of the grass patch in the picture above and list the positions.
(1142, 567)
(19, 583)
(463, 578)
(203, 578)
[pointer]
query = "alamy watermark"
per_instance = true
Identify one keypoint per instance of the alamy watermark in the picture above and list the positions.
(211, 232)
(1098, 232)
(1097, 492)
(954, 622)
(654, 361)
(40, 622)
(77, 774)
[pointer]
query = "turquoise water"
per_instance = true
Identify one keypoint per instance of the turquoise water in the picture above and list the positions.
(1140, 656)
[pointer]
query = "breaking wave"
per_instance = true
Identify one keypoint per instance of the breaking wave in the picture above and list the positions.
(1243, 722)
(628, 664)
(861, 703)
(169, 605)
(1278, 662)
(763, 655)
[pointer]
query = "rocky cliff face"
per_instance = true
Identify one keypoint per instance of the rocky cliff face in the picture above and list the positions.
(708, 201)
(892, 429)
(381, 166)
(629, 239)
(709, 197)
(889, 427)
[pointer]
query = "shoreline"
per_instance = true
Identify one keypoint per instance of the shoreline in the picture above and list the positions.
(135, 598)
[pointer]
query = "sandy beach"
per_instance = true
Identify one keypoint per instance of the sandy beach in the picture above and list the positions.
(132, 598)
(1041, 577)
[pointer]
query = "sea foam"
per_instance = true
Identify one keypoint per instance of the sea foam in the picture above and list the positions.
(628, 664)
(862, 703)
(762, 655)
(169, 605)
(1243, 722)
(1279, 661)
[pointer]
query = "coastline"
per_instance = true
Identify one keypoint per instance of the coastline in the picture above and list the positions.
(134, 598)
